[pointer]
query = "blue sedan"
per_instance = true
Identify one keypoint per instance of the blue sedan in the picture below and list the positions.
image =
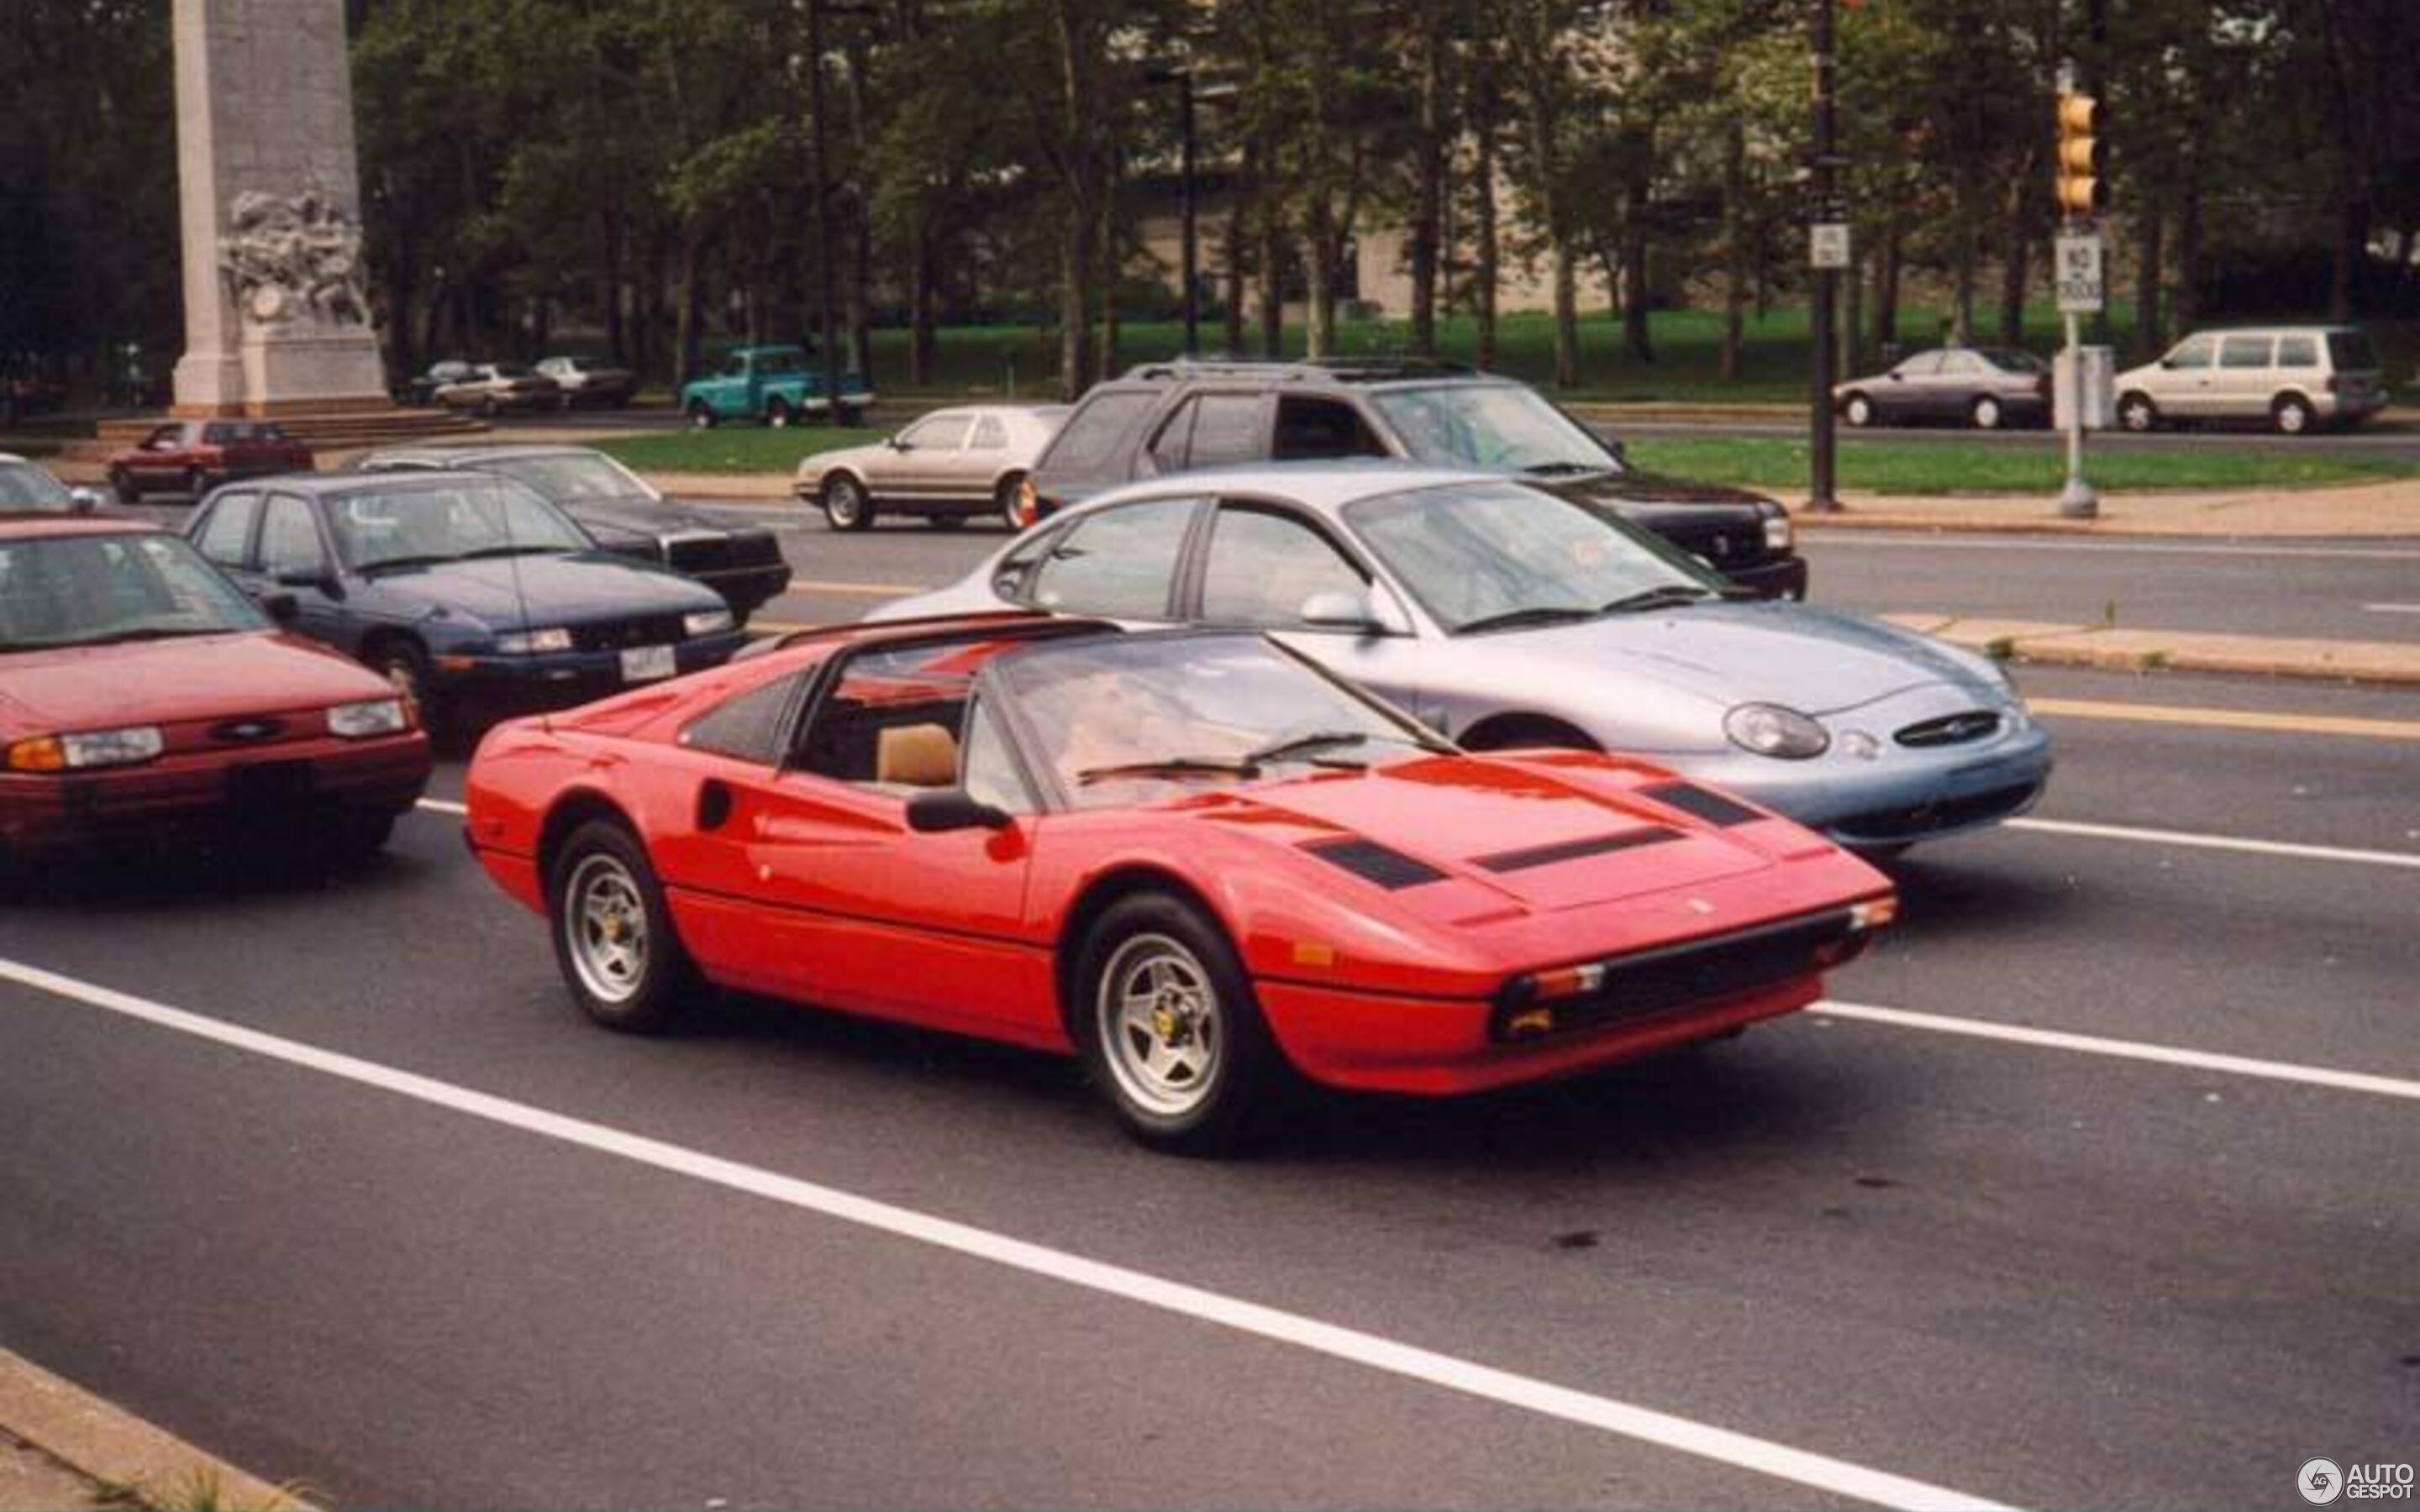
(462, 588)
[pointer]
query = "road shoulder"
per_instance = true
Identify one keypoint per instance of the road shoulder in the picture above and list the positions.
(62, 1446)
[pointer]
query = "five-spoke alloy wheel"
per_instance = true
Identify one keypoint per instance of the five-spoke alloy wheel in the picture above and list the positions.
(613, 937)
(1169, 1028)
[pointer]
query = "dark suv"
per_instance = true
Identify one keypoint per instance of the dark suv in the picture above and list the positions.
(1172, 417)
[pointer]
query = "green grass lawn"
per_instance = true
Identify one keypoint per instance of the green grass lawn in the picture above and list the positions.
(731, 448)
(1951, 466)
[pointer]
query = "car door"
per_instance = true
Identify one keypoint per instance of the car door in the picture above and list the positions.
(1908, 394)
(161, 459)
(2186, 385)
(224, 534)
(293, 558)
(826, 894)
(1262, 563)
(1118, 564)
(2240, 387)
(927, 456)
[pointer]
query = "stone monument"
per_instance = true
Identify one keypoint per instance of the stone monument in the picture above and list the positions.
(276, 317)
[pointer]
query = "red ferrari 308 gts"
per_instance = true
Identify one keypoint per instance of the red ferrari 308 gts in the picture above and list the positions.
(1192, 857)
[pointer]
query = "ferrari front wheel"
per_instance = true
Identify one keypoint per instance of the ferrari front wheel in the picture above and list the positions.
(614, 936)
(1170, 1030)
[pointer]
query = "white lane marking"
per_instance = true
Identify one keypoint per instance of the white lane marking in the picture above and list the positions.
(440, 806)
(1817, 1472)
(2093, 1044)
(2393, 609)
(2216, 842)
(1970, 543)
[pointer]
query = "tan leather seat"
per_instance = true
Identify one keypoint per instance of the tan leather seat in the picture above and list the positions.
(916, 756)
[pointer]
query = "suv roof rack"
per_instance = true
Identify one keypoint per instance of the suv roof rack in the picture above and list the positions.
(1332, 369)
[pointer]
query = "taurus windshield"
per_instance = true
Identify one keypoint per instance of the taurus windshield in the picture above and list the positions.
(93, 590)
(1496, 555)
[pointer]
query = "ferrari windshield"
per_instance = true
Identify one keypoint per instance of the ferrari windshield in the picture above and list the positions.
(25, 486)
(567, 477)
(417, 524)
(1499, 426)
(1129, 719)
(1483, 556)
(93, 590)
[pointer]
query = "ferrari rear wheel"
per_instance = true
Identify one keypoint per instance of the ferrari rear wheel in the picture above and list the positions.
(613, 937)
(1170, 1031)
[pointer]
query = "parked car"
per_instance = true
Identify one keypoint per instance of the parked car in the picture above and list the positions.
(950, 466)
(2294, 378)
(1171, 417)
(1195, 859)
(623, 514)
(493, 389)
(1985, 387)
(422, 389)
(462, 589)
(1506, 616)
(28, 490)
(141, 695)
(777, 385)
(191, 456)
(590, 380)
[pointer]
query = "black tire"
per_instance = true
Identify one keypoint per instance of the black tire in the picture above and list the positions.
(197, 483)
(848, 414)
(358, 835)
(2291, 414)
(488, 407)
(1882, 855)
(1986, 413)
(613, 937)
(945, 522)
(847, 506)
(777, 413)
(2137, 414)
(701, 417)
(1192, 1070)
(1003, 500)
(1859, 410)
(1527, 731)
(404, 667)
(122, 484)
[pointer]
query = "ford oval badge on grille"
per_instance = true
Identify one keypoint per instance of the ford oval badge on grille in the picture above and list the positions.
(247, 731)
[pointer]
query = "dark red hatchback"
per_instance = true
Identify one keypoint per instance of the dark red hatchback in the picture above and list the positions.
(193, 456)
(141, 692)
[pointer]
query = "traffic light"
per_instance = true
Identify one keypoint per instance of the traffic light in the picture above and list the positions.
(2082, 155)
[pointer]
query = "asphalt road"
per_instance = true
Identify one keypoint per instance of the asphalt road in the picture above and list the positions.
(2048, 1274)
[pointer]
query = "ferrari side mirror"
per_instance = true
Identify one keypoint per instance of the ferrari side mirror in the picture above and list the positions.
(940, 811)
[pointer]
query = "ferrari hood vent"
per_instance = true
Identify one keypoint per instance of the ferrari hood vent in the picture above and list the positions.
(1374, 863)
(1703, 803)
(1574, 850)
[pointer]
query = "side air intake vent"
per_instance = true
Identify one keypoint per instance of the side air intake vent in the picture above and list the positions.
(1573, 850)
(1703, 803)
(1374, 863)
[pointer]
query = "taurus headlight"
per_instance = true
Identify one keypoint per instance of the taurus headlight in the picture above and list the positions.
(93, 748)
(373, 717)
(1770, 730)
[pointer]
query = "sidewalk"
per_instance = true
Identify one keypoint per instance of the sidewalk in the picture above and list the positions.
(2366, 510)
(62, 1448)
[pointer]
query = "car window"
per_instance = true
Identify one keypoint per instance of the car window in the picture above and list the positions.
(1174, 442)
(2298, 351)
(1961, 364)
(1118, 563)
(290, 538)
(747, 727)
(2194, 351)
(892, 718)
(937, 433)
(24, 486)
(1505, 425)
(1227, 429)
(988, 768)
(2349, 352)
(990, 435)
(2244, 352)
(1923, 365)
(1264, 566)
(780, 362)
(84, 590)
(1088, 447)
(1310, 430)
(165, 439)
(224, 535)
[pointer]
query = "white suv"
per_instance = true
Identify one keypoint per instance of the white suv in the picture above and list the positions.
(2293, 376)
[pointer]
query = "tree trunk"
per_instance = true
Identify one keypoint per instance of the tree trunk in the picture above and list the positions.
(1852, 316)
(1075, 311)
(1886, 276)
(2184, 299)
(1635, 285)
(1734, 247)
(1961, 308)
(1428, 199)
(1567, 316)
(689, 337)
(920, 302)
(2352, 255)
(2014, 275)
(1272, 278)
(1485, 255)
(1233, 244)
(1319, 278)
(2149, 228)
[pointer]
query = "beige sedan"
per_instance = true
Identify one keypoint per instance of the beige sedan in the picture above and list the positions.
(950, 466)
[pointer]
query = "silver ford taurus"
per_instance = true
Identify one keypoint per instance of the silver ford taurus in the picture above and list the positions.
(1505, 616)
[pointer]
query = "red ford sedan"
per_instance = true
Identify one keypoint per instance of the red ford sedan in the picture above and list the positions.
(1195, 859)
(141, 692)
(193, 456)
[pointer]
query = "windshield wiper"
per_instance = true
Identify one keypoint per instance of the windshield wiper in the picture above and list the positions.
(1535, 614)
(523, 551)
(149, 632)
(1172, 766)
(385, 563)
(1667, 597)
(1301, 747)
(1563, 470)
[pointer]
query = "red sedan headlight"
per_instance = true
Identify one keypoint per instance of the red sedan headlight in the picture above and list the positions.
(79, 752)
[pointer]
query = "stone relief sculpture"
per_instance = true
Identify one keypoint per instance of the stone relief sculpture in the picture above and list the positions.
(293, 257)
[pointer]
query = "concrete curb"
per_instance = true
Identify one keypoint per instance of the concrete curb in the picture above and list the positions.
(2116, 649)
(108, 1444)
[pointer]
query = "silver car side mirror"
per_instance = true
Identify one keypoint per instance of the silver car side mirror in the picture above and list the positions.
(82, 500)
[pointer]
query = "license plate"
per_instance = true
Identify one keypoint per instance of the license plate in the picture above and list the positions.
(645, 664)
(267, 785)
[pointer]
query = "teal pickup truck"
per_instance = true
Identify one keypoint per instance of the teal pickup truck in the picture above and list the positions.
(778, 385)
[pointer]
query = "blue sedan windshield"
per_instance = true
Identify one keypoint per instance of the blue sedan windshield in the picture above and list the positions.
(445, 522)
